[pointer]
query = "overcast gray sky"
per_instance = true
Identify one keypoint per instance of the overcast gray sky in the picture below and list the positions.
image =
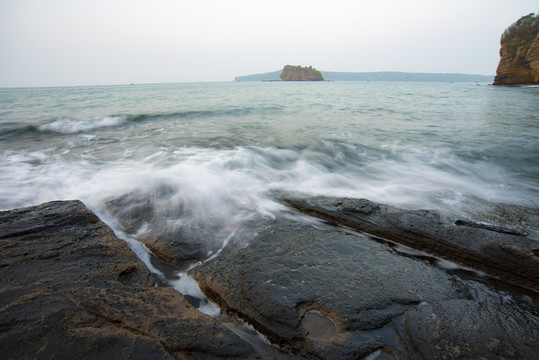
(87, 42)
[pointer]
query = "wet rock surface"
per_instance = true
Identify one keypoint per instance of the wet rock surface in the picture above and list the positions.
(467, 329)
(145, 214)
(71, 289)
(322, 292)
(502, 246)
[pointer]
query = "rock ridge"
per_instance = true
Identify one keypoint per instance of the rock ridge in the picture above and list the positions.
(500, 251)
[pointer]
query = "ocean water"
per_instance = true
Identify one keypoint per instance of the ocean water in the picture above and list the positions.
(212, 156)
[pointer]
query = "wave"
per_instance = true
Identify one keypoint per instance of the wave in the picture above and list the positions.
(207, 196)
(211, 184)
(194, 114)
(14, 131)
(69, 126)
(74, 126)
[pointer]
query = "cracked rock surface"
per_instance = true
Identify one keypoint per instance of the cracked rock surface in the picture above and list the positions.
(320, 292)
(503, 244)
(70, 289)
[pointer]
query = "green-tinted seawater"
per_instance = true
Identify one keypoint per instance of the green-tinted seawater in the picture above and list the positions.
(223, 148)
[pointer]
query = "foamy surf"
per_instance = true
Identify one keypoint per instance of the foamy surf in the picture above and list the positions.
(205, 159)
(72, 126)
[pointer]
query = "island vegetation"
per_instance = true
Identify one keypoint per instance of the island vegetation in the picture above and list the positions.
(520, 34)
(300, 73)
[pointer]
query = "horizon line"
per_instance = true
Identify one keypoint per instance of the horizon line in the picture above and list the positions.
(233, 80)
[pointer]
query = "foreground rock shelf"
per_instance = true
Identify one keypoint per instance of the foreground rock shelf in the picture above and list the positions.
(327, 294)
(71, 290)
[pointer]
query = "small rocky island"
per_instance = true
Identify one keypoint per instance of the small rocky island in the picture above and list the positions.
(519, 53)
(300, 73)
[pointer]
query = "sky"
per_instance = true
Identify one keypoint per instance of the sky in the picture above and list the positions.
(99, 42)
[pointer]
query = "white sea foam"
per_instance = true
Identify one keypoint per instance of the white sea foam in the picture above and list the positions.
(71, 126)
(186, 285)
(209, 175)
(228, 186)
(209, 195)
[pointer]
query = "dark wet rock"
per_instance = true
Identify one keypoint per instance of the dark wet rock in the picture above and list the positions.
(159, 226)
(519, 220)
(503, 249)
(429, 331)
(328, 294)
(71, 289)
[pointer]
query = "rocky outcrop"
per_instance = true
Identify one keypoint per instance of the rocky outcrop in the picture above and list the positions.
(324, 293)
(519, 53)
(509, 251)
(71, 289)
(300, 73)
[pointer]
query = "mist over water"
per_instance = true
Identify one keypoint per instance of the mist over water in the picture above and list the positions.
(207, 158)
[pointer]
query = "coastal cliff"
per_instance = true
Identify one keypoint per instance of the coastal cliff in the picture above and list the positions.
(300, 73)
(519, 53)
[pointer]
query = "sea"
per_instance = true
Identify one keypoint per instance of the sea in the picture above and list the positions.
(216, 156)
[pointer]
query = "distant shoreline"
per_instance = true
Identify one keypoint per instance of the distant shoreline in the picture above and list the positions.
(379, 76)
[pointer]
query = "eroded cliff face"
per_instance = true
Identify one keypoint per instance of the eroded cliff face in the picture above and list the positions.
(533, 58)
(519, 53)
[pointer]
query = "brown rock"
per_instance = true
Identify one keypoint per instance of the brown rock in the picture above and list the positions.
(516, 67)
(513, 70)
(533, 58)
(71, 289)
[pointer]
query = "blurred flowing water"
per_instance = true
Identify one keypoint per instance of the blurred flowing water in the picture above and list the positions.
(208, 157)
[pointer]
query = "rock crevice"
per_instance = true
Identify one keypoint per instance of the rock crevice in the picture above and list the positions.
(71, 289)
